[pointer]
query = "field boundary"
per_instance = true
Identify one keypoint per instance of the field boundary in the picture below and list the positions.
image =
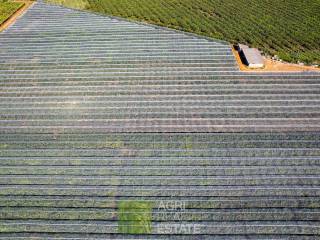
(285, 66)
(11, 19)
(216, 40)
(23, 4)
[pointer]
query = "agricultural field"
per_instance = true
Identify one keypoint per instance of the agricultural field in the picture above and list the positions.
(105, 122)
(7, 8)
(289, 29)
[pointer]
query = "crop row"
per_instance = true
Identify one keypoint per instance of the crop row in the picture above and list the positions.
(192, 152)
(153, 161)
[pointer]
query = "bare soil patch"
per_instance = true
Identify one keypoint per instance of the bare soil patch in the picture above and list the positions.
(274, 66)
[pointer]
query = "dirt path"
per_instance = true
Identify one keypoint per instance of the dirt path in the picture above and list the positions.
(274, 66)
(18, 13)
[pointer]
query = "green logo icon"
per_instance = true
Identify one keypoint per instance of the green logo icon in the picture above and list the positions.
(134, 217)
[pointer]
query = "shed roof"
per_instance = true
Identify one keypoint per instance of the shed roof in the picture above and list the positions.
(253, 56)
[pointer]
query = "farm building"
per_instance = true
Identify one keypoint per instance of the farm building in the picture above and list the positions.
(111, 129)
(251, 56)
